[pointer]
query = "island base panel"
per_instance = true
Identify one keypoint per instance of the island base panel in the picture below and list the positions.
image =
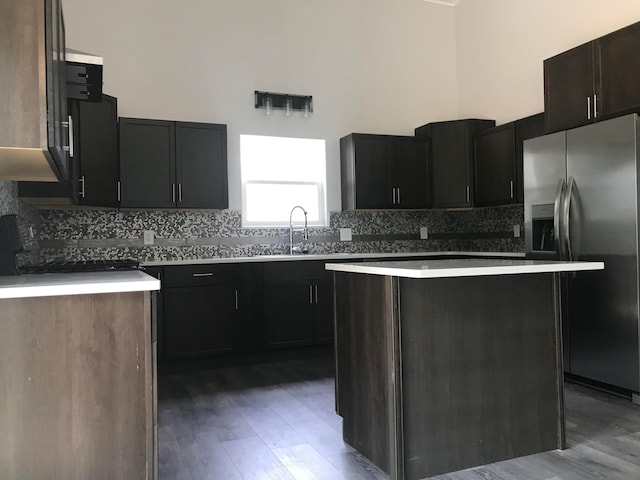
(75, 387)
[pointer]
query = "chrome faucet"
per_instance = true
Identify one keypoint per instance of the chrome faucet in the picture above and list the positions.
(305, 232)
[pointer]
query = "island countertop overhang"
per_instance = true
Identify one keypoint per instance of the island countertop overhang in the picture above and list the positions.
(470, 267)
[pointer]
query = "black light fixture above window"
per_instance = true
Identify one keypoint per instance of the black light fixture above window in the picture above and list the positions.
(284, 101)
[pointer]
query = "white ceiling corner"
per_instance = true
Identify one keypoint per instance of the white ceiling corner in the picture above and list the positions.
(450, 3)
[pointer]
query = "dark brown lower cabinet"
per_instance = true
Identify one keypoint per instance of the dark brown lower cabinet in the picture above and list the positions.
(200, 321)
(298, 304)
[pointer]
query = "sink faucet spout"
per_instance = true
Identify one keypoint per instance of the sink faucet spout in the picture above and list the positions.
(305, 231)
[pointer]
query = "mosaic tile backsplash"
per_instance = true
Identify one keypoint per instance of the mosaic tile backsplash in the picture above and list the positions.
(180, 235)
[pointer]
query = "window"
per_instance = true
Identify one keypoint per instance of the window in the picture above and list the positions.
(279, 173)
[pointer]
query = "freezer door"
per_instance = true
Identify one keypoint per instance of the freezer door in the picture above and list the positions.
(601, 206)
(544, 168)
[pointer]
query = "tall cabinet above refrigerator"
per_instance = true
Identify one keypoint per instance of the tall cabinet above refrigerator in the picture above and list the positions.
(581, 203)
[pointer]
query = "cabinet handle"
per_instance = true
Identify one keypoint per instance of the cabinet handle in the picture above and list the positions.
(179, 192)
(315, 287)
(588, 108)
(311, 294)
(398, 196)
(236, 299)
(81, 192)
(511, 188)
(207, 274)
(71, 153)
(118, 183)
(595, 105)
(467, 193)
(393, 192)
(173, 192)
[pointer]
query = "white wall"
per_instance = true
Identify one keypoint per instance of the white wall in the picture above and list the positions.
(373, 66)
(501, 45)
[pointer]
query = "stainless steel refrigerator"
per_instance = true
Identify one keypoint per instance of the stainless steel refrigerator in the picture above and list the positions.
(581, 203)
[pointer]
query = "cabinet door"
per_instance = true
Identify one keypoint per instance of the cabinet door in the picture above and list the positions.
(619, 61)
(288, 310)
(373, 157)
(450, 165)
(96, 138)
(569, 88)
(147, 163)
(201, 165)
(411, 173)
(199, 321)
(495, 178)
(323, 310)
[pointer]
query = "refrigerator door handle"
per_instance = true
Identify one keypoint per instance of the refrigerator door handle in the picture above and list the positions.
(566, 217)
(557, 232)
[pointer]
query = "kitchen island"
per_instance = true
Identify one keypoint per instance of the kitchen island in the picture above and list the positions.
(77, 395)
(443, 365)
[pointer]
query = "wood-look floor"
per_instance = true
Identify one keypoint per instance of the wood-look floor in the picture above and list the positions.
(276, 420)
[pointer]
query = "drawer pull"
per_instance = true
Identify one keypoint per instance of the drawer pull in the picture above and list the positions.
(208, 274)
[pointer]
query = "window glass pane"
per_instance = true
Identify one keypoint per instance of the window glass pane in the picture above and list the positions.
(279, 173)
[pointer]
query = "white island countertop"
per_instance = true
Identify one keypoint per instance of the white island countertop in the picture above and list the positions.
(468, 267)
(53, 284)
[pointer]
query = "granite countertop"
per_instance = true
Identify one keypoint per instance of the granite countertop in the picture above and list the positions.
(467, 267)
(326, 256)
(52, 284)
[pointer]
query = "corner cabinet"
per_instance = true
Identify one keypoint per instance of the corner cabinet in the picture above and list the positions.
(384, 172)
(173, 164)
(33, 115)
(452, 160)
(594, 81)
(498, 161)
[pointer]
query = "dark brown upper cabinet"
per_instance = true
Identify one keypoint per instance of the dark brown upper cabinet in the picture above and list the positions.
(94, 173)
(452, 160)
(384, 172)
(173, 164)
(498, 161)
(594, 81)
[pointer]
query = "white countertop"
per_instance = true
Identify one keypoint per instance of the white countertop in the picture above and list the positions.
(52, 284)
(462, 267)
(324, 256)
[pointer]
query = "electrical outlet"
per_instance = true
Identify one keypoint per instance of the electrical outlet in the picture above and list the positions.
(148, 237)
(516, 231)
(345, 235)
(424, 233)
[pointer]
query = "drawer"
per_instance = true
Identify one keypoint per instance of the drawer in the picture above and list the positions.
(200, 275)
(84, 73)
(278, 272)
(84, 92)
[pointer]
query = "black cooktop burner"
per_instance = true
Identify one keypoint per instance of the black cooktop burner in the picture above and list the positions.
(82, 266)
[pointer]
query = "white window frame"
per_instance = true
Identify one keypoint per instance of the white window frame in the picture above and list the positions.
(298, 219)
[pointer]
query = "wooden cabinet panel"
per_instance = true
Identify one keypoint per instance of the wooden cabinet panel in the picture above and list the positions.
(568, 88)
(452, 160)
(384, 172)
(495, 173)
(411, 173)
(323, 310)
(201, 165)
(288, 314)
(173, 164)
(199, 321)
(619, 64)
(33, 104)
(94, 171)
(147, 163)
(525, 128)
